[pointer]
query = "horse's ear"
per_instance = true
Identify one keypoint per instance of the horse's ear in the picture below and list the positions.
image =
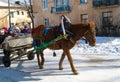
(92, 25)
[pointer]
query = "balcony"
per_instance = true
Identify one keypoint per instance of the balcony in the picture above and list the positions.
(61, 9)
(104, 3)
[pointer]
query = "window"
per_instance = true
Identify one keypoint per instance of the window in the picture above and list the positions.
(99, 3)
(46, 21)
(18, 13)
(44, 4)
(84, 17)
(28, 15)
(12, 14)
(12, 24)
(107, 18)
(59, 3)
(22, 13)
(83, 1)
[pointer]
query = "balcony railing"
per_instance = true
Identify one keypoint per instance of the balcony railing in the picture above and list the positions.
(61, 9)
(102, 3)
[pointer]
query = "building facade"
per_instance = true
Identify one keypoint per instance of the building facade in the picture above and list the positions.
(18, 15)
(105, 13)
(4, 18)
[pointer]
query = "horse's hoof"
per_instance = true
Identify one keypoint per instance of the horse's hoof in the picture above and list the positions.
(41, 67)
(76, 73)
(60, 68)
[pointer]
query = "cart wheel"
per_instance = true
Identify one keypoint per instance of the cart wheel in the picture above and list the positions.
(6, 61)
(30, 56)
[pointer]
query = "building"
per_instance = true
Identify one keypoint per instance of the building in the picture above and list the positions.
(105, 13)
(18, 15)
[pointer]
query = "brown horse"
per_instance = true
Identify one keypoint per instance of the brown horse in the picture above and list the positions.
(86, 30)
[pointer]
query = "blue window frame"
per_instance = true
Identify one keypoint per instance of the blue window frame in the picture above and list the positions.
(46, 21)
(45, 4)
(83, 1)
(59, 3)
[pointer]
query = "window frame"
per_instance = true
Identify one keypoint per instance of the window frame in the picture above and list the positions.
(11, 14)
(18, 12)
(83, 18)
(22, 13)
(44, 4)
(107, 18)
(83, 1)
(59, 3)
(46, 21)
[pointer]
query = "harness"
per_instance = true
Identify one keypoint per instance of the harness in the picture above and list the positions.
(89, 32)
(67, 33)
(44, 44)
(47, 29)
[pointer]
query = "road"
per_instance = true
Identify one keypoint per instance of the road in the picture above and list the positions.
(91, 68)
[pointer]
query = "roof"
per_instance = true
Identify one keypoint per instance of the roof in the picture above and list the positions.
(5, 5)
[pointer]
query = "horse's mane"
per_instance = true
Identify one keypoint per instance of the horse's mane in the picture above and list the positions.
(38, 27)
(83, 24)
(89, 25)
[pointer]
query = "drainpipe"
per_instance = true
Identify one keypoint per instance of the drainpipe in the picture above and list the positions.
(9, 13)
(32, 17)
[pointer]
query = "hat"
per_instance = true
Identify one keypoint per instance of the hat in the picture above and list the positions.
(2, 30)
(17, 28)
(5, 29)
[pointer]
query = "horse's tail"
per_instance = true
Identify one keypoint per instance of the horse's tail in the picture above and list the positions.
(92, 25)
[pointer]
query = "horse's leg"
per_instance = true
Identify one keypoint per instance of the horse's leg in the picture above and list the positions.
(61, 61)
(38, 59)
(42, 59)
(67, 52)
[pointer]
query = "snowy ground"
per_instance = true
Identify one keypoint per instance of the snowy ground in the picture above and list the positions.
(94, 64)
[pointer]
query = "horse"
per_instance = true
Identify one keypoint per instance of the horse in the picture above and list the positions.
(86, 30)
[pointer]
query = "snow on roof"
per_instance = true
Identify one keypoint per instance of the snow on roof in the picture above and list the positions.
(5, 4)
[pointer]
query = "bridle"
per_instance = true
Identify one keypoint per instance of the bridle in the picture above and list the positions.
(89, 32)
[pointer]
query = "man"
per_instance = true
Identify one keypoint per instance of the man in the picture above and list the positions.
(2, 35)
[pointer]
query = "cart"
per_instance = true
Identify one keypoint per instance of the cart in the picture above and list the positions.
(16, 47)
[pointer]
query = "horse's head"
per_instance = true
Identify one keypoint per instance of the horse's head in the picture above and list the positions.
(90, 34)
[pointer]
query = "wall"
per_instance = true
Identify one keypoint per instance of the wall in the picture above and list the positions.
(94, 14)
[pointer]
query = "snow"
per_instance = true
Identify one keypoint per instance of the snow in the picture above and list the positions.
(94, 64)
(105, 46)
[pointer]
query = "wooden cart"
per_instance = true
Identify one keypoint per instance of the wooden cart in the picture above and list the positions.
(16, 47)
